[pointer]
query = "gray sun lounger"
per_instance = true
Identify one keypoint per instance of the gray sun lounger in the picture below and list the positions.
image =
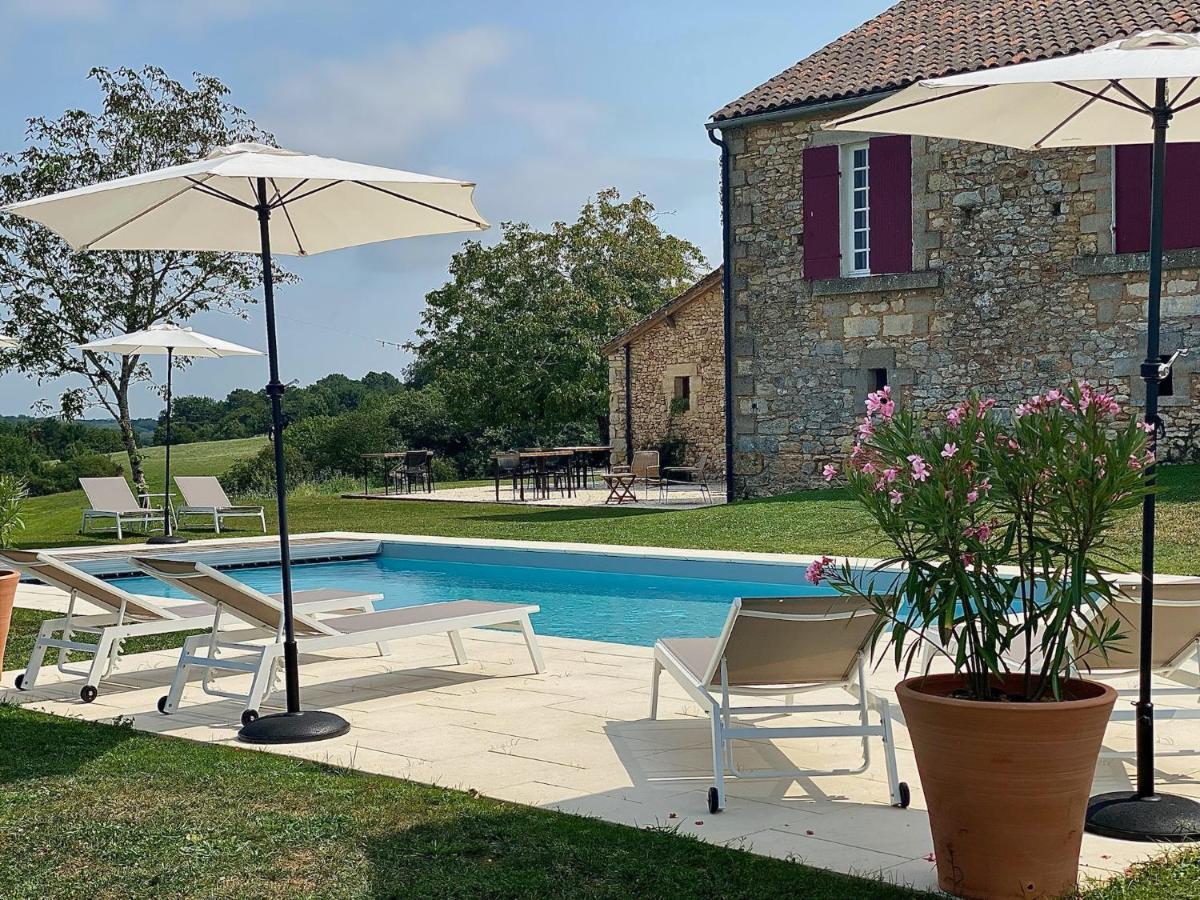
(781, 646)
(112, 498)
(208, 652)
(204, 496)
(125, 615)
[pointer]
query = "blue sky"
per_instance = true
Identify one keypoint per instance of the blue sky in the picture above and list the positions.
(541, 103)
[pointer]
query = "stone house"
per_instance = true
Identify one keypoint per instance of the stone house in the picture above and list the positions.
(937, 267)
(666, 377)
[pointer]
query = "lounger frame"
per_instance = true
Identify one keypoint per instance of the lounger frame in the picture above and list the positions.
(721, 711)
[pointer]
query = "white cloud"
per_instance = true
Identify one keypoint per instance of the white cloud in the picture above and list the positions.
(387, 100)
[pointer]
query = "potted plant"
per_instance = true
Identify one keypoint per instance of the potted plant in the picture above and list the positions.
(12, 495)
(999, 531)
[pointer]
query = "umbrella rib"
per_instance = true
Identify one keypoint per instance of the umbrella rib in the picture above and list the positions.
(287, 215)
(1091, 98)
(1140, 108)
(1142, 104)
(849, 120)
(400, 196)
(1190, 103)
(218, 194)
(144, 212)
(284, 199)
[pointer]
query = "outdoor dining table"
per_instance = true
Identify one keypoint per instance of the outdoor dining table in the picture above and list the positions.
(369, 458)
(538, 458)
(582, 459)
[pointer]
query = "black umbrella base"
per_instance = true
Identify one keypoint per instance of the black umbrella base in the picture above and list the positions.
(1161, 817)
(166, 539)
(294, 728)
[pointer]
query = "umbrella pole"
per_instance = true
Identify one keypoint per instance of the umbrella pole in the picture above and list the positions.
(295, 725)
(1143, 814)
(168, 536)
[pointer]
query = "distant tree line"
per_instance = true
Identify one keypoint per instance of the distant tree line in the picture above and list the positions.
(50, 455)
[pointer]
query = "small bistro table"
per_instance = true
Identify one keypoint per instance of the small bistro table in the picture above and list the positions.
(620, 487)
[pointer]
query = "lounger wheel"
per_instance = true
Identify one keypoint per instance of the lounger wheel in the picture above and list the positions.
(19, 684)
(162, 705)
(905, 795)
(88, 693)
(714, 801)
(249, 715)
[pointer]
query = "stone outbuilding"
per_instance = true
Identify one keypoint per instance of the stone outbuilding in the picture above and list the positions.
(666, 377)
(935, 266)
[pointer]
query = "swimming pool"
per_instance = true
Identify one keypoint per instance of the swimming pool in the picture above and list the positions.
(621, 598)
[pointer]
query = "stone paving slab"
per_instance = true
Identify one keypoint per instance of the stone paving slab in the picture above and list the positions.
(576, 739)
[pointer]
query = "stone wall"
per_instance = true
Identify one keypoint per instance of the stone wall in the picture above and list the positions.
(688, 342)
(1014, 289)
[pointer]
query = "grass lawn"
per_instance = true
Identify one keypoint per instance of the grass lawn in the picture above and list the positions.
(805, 522)
(102, 810)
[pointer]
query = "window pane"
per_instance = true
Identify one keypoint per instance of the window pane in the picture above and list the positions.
(860, 218)
(860, 157)
(860, 240)
(860, 199)
(860, 261)
(860, 178)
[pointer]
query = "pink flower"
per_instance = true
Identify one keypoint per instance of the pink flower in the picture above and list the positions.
(968, 559)
(868, 467)
(1134, 462)
(1147, 427)
(955, 415)
(887, 409)
(983, 532)
(866, 430)
(949, 450)
(920, 470)
(889, 474)
(815, 572)
(972, 495)
(829, 472)
(897, 497)
(1052, 396)
(985, 485)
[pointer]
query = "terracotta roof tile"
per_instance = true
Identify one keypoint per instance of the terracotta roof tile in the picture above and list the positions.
(917, 39)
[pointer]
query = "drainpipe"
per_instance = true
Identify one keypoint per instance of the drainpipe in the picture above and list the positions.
(629, 404)
(727, 297)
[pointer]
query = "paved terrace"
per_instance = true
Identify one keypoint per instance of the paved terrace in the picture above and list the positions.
(679, 497)
(577, 739)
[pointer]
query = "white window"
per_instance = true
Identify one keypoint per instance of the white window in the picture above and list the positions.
(856, 208)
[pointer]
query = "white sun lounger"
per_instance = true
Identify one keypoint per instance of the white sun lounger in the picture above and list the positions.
(128, 615)
(111, 498)
(781, 646)
(1176, 643)
(312, 635)
(204, 496)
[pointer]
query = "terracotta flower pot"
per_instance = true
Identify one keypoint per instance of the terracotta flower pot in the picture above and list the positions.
(8, 593)
(1007, 784)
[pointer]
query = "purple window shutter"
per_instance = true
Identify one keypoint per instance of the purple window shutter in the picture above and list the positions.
(891, 204)
(1181, 205)
(1132, 196)
(822, 232)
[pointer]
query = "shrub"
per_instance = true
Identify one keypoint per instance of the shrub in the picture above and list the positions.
(255, 475)
(50, 477)
(12, 496)
(444, 470)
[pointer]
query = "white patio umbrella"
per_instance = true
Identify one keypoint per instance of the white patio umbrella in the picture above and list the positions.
(252, 198)
(171, 341)
(7, 343)
(1125, 92)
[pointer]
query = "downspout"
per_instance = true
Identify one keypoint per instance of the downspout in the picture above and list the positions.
(629, 404)
(727, 298)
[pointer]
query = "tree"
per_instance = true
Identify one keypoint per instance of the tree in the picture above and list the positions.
(513, 340)
(59, 299)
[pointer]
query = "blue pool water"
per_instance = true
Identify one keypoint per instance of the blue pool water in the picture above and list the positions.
(578, 603)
